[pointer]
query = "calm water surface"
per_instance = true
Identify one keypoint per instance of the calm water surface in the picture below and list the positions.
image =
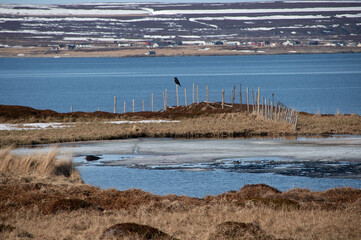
(200, 183)
(313, 83)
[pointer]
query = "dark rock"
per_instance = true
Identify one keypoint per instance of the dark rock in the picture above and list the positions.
(134, 230)
(91, 158)
(6, 228)
(25, 234)
(239, 231)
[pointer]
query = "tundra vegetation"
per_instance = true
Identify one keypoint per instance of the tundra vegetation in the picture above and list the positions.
(194, 121)
(43, 196)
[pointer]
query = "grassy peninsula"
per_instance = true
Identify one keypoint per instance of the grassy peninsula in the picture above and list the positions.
(202, 120)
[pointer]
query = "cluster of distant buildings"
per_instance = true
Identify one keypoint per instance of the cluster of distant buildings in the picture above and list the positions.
(171, 43)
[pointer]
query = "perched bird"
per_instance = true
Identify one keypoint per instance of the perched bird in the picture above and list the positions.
(177, 81)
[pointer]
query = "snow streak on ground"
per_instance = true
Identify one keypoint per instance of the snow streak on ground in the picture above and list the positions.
(85, 23)
(36, 126)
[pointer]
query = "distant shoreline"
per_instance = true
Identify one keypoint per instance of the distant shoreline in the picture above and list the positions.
(173, 52)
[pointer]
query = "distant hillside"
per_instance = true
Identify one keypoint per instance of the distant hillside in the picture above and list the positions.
(338, 22)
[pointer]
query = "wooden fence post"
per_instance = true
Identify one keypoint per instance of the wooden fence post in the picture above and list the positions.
(283, 117)
(262, 105)
(240, 95)
(255, 101)
(265, 108)
(185, 97)
(152, 103)
(222, 98)
(98, 109)
(247, 100)
(124, 106)
(296, 121)
(258, 97)
(252, 101)
(71, 109)
(176, 88)
(115, 104)
(272, 104)
(233, 94)
(207, 92)
(133, 106)
(197, 95)
(165, 99)
(193, 94)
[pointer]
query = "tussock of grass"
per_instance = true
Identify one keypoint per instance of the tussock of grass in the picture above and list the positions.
(43, 164)
(51, 208)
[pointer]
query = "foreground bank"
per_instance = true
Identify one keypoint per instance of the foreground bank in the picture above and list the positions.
(42, 198)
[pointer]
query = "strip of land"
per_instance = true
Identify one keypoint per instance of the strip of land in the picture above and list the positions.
(108, 51)
(202, 120)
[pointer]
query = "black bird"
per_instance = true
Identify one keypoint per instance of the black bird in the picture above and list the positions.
(177, 81)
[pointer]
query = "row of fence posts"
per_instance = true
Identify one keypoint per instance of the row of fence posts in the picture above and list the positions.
(255, 104)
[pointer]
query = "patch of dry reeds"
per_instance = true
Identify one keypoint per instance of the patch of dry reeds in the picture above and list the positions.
(215, 125)
(190, 223)
(43, 164)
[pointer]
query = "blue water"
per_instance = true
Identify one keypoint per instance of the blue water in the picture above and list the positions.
(200, 167)
(312, 83)
(201, 183)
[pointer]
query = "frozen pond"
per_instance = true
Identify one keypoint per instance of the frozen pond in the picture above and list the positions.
(211, 166)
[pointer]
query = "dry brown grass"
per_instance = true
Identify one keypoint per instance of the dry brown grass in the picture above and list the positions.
(38, 203)
(196, 121)
(190, 223)
(219, 125)
(329, 124)
(43, 164)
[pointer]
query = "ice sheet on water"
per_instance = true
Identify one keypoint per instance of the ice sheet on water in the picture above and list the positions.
(210, 166)
(149, 152)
